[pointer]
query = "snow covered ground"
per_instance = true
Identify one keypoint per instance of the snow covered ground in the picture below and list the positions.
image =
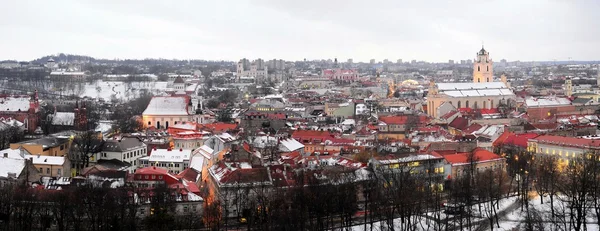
(121, 90)
(98, 89)
(513, 219)
(428, 222)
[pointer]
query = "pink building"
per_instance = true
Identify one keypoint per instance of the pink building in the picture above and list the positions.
(344, 75)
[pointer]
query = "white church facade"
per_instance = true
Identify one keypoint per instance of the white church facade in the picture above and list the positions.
(482, 93)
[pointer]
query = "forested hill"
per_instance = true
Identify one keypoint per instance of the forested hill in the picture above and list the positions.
(65, 58)
(59, 58)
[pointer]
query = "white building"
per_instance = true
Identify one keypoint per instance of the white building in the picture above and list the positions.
(175, 161)
(256, 70)
(67, 75)
(127, 149)
(163, 111)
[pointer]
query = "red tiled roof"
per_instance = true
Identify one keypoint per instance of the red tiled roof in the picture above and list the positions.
(250, 175)
(188, 174)
(310, 134)
(500, 140)
(459, 123)
(219, 127)
(431, 129)
(465, 110)
(178, 80)
(489, 111)
(473, 128)
(401, 119)
(568, 141)
(449, 114)
(520, 140)
(276, 116)
(480, 155)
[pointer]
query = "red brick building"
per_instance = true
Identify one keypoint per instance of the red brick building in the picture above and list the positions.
(24, 108)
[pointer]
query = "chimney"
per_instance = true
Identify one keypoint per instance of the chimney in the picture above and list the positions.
(5, 155)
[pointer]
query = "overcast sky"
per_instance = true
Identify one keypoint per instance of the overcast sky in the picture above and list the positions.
(297, 29)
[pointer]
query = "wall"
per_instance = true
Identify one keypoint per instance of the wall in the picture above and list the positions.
(153, 120)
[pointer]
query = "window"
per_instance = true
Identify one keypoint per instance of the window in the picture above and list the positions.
(146, 177)
(62, 147)
(478, 68)
(41, 170)
(149, 123)
(143, 210)
(153, 177)
(59, 172)
(185, 209)
(47, 170)
(160, 177)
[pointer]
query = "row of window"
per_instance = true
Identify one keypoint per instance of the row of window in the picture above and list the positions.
(147, 177)
(58, 171)
(560, 152)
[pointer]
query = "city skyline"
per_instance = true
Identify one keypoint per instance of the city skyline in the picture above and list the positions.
(293, 31)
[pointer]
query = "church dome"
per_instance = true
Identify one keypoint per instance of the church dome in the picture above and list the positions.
(482, 51)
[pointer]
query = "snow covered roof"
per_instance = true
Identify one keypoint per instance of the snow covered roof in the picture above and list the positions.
(14, 153)
(47, 160)
(226, 137)
(205, 151)
(474, 89)
(290, 145)
(193, 197)
(547, 101)
(348, 122)
(197, 163)
(67, 73)
(11, 166)
(14, 103)
(470, 86)
(407, 159)
(168, 155)
(104, 126)
(63, 118)
(167, 105)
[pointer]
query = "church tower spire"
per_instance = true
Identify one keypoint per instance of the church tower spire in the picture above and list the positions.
(483, 67)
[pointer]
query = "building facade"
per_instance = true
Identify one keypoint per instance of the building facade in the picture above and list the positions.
(483, 93)
(163, 111)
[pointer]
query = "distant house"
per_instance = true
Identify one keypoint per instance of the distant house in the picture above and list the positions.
(234, 182)
(185, 193)
(23, 108)
(68, 75)
(15, 168)
(396, 127)
(62, 121)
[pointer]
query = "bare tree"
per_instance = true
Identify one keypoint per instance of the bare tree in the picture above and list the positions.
(85, 145)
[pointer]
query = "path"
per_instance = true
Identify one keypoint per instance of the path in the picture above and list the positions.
(485, 223)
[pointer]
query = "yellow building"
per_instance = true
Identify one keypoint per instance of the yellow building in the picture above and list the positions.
(51, 166)
(482, 93)
(47, 146)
